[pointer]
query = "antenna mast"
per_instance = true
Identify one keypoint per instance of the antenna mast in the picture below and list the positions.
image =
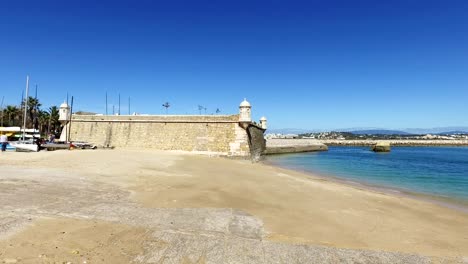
(25, 105)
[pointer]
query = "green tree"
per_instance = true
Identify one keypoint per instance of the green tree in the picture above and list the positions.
(54, 120)
(33, 111)
(13, 114)
(44, 121)
(47, 121)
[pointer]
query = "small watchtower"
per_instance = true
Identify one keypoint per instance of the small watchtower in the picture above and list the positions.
(245, 113)
(263, 122)
(64, 113)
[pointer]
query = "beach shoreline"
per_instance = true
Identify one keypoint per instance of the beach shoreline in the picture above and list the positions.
(452, 203)
(174, 192)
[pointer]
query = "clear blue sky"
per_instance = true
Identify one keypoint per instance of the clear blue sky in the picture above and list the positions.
(302, 64)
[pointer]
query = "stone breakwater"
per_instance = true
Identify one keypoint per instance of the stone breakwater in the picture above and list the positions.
(392, 142)
(283, 146)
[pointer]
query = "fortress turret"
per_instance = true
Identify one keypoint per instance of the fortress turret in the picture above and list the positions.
(245, 114)
(263, 122)
(64, 112)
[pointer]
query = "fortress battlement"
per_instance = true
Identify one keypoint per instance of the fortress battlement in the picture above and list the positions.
(227, 135)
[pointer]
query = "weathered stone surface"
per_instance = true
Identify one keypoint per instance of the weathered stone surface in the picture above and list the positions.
(381, 147)
(212, 136)
(257, 142)
(245, 225)
(220, 135)
(174, 247)
(283, 146)
(315, 254)
(248, 251)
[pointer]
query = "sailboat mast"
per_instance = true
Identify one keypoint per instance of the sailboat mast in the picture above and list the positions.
(36, 110)
(25, 106)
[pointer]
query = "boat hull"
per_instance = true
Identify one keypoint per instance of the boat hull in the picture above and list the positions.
(25, 147)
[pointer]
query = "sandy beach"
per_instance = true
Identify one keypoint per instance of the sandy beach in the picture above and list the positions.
(142, 206)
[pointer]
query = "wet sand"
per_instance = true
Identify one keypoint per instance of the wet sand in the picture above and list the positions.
(453, 203)
(90, 195)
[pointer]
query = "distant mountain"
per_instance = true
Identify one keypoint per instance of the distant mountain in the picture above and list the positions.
(379, 132)
(375, 130)
(452, 132)
(436, 130)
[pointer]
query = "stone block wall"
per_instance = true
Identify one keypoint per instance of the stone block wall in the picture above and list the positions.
(211, 134)
(257, 142)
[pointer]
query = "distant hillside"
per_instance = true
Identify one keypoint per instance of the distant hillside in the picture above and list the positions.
(376, 131)
(453, 132)
(379, 132)
(436, 130)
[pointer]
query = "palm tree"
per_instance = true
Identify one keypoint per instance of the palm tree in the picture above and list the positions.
(33, 109)
(43, 120)
(13, 114)
(54, 120)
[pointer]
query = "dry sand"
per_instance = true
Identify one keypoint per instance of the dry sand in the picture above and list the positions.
(76, 241)
(108, 206)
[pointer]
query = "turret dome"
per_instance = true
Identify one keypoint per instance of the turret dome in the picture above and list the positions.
(245, 103)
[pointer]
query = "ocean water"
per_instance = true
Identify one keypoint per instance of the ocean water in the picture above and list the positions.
(435, 171)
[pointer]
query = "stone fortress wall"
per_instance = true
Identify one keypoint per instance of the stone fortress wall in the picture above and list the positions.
(228, 135)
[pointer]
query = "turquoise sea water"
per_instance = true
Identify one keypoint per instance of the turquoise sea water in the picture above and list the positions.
(435, 171)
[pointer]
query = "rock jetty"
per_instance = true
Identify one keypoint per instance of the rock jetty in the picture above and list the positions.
(283, 146)
(393, 142)
(381, 147)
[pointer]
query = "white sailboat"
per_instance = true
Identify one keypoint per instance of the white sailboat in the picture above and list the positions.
(23, 144)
